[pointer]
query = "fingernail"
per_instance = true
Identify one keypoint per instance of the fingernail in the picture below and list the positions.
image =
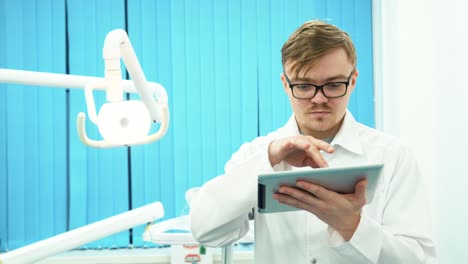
(300, 184)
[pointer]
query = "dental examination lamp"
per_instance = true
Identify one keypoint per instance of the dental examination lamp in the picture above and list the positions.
(120, 122)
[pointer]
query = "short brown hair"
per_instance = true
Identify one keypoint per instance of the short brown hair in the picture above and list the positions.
(311, 41)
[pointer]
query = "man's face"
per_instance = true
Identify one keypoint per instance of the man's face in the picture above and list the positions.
(321, 117)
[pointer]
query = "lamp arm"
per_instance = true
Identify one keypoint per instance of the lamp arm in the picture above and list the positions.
(112, 54)
(84, 235)
(60, 80)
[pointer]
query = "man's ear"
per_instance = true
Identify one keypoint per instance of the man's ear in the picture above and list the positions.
(284, 82)
(353, 80)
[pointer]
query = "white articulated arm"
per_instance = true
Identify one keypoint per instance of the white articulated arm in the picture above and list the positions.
(117, 45)
(121, 123)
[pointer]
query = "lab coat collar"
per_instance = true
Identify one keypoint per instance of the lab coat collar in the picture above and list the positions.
(347, 137)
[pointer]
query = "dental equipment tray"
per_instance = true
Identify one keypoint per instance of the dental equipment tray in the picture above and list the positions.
(341, 180)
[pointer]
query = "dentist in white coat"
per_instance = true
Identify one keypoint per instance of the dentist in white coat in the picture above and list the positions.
(319, 62)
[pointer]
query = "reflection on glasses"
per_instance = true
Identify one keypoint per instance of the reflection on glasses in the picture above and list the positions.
(308, 91)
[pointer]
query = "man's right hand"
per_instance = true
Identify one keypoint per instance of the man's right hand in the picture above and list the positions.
(299, 151)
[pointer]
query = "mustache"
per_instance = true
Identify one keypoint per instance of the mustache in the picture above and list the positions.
(321, 107)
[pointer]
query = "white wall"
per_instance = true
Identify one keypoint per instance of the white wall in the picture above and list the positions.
(422, 89)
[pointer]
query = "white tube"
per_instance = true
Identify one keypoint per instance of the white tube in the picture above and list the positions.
(113, 76)
(112, 72)
(61, 80)
(83, 235)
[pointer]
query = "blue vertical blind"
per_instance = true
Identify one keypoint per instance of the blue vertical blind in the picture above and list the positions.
(33, 162)
(220, 63)
(98, 177)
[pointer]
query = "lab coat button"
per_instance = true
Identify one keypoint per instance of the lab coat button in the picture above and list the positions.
(314, 261)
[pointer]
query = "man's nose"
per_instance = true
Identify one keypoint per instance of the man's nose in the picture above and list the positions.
(319, 97)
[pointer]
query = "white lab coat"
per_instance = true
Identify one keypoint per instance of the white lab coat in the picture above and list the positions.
(394, 228)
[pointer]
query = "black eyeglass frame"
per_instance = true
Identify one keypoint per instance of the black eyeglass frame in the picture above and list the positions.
(318, 87)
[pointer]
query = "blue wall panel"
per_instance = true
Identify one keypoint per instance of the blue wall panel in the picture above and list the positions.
(249, 75)
(51, 138)
(98, 177)
(178, 90)
(152, 165)
(33, 125)
(222, 82)
(193, 96)
(3, 142)
(265, 78)
(207, 88)
(364, 93)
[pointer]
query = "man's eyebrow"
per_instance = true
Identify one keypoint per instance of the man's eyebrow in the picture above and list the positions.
(329, 79)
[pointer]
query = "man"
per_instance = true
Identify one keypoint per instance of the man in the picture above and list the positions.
(319, 62)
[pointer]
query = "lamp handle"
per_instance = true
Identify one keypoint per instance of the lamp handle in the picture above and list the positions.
(80, 125)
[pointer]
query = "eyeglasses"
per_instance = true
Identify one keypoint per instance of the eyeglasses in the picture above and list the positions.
(308, 91)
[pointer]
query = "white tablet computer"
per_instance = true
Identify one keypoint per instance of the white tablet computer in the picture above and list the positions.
(341, 180)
